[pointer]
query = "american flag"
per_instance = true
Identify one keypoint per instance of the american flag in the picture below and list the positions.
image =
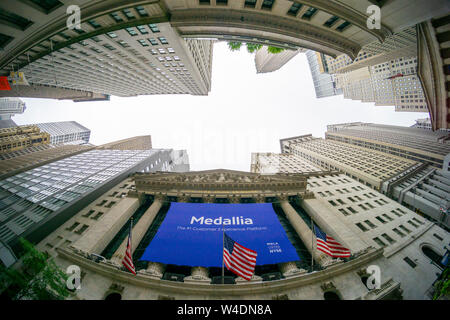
(238, 259)
(128, 259)
(328, 245)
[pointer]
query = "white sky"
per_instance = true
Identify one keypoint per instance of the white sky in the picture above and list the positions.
(245, 112)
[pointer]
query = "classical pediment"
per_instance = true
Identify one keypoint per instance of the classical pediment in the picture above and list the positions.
(218, 180)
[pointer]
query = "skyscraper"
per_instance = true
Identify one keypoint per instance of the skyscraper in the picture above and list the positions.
(65, 132)
(36, 201)
(411, 143)
(416, 185)
(269, 62)
(324, 83)
(11, 106)
(369, 167)
(392, 83)
(21, 137)
(127, 49)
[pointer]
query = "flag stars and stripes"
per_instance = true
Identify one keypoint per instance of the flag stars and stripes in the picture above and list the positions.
(128, 259)
(329, 245)
(239, 259)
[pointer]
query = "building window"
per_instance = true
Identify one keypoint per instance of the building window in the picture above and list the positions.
(379, 242)
(128, 14)
(153, 27)
(294, 9)
(47, 5)
(204, 1)
(94, 24)
(352, 210)
(97, 216)
(410, 262)
(370, 224)
(438, 237)
(222, 2)
(89, 213)
(4, 40)
(163, 40)
(111, 34)
(153, 41)
(73, 226)
(82, 229)
(250, 3)
(267, 4)
(123, 43)
(309, 13)
(401, 234)
(142, 29)
(131, 31)
(143, 43)
(413, 224)
(14, 20)
(362, 227)
(141, 11)
(330, 22)
(116, 17)
(343, 26)
(389, 239)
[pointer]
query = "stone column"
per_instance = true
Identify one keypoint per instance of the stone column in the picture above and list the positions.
(156, 269)
(139, 230)
(304, 232)
(289, 269)
(198, 274)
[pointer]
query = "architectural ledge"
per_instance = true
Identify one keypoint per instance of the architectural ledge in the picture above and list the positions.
(255, 286)
(430, 72)
(385, 289)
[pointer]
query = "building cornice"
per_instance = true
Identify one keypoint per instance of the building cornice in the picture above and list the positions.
(223, 184)
(217, 18)
(142, 279)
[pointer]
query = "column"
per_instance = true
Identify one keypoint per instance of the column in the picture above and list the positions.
(290, 269)
(304, 232)
(198, 274)
(156, 269)
(139, 230)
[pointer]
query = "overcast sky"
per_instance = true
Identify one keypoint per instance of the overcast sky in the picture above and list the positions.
(244, 112)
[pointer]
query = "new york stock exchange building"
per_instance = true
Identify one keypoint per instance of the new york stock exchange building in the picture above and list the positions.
(178, 221)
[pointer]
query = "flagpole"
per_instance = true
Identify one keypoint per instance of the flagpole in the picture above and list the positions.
(312, 245)
(131, 240)
(223, 258)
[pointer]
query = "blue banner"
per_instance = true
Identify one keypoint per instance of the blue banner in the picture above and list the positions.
(191, 234)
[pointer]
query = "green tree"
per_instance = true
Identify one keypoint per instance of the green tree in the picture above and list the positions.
(38, 278)
(253, 47)
(234, 46)
(443, 286)
(274, 50)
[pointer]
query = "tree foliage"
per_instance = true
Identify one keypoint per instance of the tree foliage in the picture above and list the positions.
(442, 286)
(39, 278)
(234, 46)
(252, 47)
(274, 50)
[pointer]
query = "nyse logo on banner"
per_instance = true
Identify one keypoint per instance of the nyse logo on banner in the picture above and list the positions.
(221, 221)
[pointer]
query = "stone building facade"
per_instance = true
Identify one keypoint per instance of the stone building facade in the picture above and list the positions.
(406, 272)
